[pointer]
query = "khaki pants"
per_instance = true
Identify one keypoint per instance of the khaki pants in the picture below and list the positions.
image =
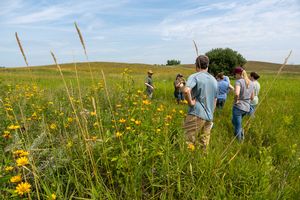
(197, 130)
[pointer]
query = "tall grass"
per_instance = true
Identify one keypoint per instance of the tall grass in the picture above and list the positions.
(105, 140)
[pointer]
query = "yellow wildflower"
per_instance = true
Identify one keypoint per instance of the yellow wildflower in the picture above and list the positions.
(69, 144)
(93, 113)
(122, 120)
(53, 196)
(137, 122)
(132, 119)
(181, 112)
(23, 188)
(191, 146)
(20, 153)
(13, 127)
(22, 161)
(16, 179)
(128, 128)
(118, 105)
(96, 124)
(6, 134)
(70, 119)
(118, 134)
(9, 168)
(53, 126)
(146, 102)
(24, 153)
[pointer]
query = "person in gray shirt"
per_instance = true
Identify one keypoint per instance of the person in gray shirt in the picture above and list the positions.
(244, 94)
(200, 92)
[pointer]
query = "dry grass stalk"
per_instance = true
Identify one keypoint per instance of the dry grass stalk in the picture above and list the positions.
(85, 134)
(81, 38)
(84, 48)
(196, 48)
(21, 49)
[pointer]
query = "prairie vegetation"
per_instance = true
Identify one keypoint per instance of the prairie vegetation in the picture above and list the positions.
(104, 139)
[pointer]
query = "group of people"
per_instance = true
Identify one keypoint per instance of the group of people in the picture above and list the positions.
(204, 93)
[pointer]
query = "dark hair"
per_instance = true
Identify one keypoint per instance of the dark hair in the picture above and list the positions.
(220, 75)
(254, 75)
(202, 62)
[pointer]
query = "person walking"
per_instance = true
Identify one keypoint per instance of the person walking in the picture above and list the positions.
(244, 93)
(149, 84)
(178, 83)
(254, 77)
(201, 94)
(223, 88)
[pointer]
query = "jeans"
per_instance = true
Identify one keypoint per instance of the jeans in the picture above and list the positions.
(237, 116)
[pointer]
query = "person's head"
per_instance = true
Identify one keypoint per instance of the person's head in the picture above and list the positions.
(220, 76)
(238, 72)
(150, 72)
(202, 62)
(179, 76)
(254, 76)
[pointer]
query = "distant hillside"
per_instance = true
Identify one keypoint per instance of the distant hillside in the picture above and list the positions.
(266, 67)
(271, 67)
(142, 68)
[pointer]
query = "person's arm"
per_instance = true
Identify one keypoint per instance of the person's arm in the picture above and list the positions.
(252, 96)
(237, 90)
(231, 87)
(215, 103)
(188, 96)
(147, 84)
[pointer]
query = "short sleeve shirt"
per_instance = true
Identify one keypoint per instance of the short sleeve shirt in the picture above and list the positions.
(245, 95)
(223, 87)
(204, 89)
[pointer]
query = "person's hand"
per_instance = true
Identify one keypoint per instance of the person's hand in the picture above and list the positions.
(193, 102)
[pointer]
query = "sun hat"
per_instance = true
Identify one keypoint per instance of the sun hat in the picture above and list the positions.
(150, 71)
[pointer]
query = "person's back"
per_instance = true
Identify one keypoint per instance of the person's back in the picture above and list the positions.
(254, 77)
(223, 87)
(244, 100)
(204, 90)
(201, 94)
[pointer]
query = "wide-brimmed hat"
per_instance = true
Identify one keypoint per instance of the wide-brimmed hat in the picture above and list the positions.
(150, 71)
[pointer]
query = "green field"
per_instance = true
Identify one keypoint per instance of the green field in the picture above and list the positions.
(99, 137)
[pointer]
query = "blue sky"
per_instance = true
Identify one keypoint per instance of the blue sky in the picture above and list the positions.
(148, 31)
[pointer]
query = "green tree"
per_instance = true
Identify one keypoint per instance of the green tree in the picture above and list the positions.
(173, 62)
(224, 60)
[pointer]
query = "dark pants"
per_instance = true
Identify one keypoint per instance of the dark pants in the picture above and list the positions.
(220, 103)
(179, 96)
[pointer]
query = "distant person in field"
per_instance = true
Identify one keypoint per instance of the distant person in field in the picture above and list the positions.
(254, 77)
(226, 78)
(179, 83)
(223, 88)
(149, 84)
(243, 94)
(201, 94)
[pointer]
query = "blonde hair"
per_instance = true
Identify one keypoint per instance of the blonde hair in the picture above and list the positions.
(245, 77)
